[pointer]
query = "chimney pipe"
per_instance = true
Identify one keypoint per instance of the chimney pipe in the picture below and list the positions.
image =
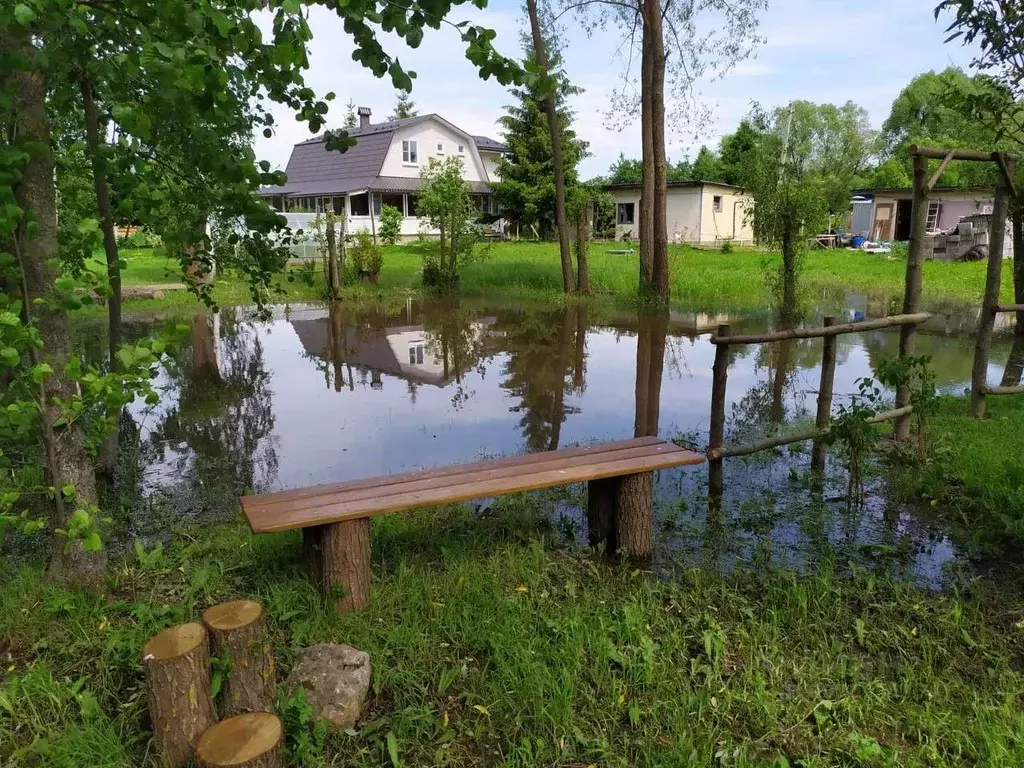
(364, 117)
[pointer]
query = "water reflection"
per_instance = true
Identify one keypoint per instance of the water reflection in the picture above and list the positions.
(321, 394)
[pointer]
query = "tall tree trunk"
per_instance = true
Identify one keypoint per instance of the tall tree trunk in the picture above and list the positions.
(659, 223)
(1014, 364)
(540, 56)
(99, 177)
(66, 460)
(788, 310)
(646, 226)
(333, 275)
(582, 242)
(1017, 220)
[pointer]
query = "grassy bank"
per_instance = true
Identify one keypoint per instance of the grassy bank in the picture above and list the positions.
(700, 279)
(493, 643)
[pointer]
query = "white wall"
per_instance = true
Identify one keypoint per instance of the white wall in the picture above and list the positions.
(733, 222)
(427, 136)
(490, 160)
(682, 213)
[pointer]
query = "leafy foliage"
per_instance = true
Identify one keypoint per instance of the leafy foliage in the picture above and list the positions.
(405, 107)
(446, 203)
(366, 256)
(390, 224)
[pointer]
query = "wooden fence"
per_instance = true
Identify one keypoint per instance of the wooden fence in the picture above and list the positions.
(724, 339)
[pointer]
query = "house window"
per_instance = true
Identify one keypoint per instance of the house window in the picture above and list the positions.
(934, 211)
(412, 203)
(462, 149)
(716, 203)
(416, 353)
(360, 204)
(409, 154)
(440, 148)
(338, 204)
(625, 213)
(395, 201)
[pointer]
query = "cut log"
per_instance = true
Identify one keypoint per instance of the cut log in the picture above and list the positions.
(344, 551)
(602, 502)
(177, 668)
(249, 740)
(635, 523)
(239, 629)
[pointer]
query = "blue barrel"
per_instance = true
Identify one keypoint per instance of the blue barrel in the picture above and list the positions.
(857, 241)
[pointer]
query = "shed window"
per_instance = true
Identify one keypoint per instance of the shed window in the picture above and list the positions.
(625, 213)
(409, 154)
(716, 203)
(360, 205)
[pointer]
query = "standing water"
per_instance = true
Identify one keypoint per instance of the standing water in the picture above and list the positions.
(321, 394)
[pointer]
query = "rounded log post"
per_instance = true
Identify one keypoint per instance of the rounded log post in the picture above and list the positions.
(239, 629)
(345, 551)
(635, 519)
(825, 387)
(993, 282)
(312, 555)
(602, 501)
(716, 434)
(912, 282)
(249, 740)
(177, 668)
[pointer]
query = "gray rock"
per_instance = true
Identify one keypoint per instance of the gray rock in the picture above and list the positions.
(336, 679)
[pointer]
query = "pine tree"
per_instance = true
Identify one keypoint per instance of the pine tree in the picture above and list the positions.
(350, 116)
(404, 106)
(526, 191)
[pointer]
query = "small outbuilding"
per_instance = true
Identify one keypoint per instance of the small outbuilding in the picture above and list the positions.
(696, 211)
(885, 214)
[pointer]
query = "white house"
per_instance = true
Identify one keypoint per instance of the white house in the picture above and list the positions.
(383, 168)
(696, 211)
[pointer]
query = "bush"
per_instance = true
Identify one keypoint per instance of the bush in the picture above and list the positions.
(727, 246)
(390, 224)
(140, 238)
(367, 258)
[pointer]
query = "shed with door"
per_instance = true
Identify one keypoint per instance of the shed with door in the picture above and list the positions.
(884, 213)
(696, 212)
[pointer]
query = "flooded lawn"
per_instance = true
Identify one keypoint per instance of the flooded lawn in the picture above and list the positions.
(320, 394)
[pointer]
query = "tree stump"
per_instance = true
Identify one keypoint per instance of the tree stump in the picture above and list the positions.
(345, 562)
(635, 522)
(177, 667)
(239, 629)
(249, 740)
(602, 503)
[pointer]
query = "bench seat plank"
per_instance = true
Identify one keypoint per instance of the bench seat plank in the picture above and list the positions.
(335, 503)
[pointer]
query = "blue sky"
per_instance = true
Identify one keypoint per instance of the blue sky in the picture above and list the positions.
(819, 50)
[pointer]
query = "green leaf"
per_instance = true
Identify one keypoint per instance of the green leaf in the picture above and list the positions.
(393, 749)
(23, 14)
(10, 356)
(291, 6)
(92, 542)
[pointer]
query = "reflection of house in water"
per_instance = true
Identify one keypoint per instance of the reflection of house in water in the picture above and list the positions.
(680, 323)
(948, 319)
(388, 345)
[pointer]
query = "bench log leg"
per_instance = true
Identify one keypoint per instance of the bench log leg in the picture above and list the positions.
(338, 558)
(635, 519)
(602, 503)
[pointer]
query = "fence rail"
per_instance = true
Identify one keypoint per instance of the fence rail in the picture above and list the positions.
(829, 333)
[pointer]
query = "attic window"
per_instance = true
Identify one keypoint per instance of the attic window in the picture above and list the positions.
(440, 148)
(716, 204)
(409, 153)
(462, 149)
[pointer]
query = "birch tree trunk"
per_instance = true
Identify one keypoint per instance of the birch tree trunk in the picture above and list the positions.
(65, 458)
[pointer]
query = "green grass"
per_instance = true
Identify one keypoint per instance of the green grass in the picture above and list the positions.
(493, 643)
(975, 478)
(700, 279)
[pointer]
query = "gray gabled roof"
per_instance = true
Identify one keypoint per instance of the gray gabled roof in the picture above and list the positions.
(313, 170)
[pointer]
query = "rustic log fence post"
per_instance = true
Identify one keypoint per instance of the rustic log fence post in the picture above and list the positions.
(716, 437)
(825, 387)
(990, 299)
(239, 630)
(634, 529)
(176, 664)
(250, 740)
(912, 286)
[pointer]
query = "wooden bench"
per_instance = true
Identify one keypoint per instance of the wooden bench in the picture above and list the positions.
(335, 518)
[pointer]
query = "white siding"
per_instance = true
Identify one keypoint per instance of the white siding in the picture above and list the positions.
(427, 136)
(491, 165)
(732, 222)
(682, 213)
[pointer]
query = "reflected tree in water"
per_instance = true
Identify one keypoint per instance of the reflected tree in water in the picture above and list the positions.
(220, 430)
(546, 361)
(1014, 364)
